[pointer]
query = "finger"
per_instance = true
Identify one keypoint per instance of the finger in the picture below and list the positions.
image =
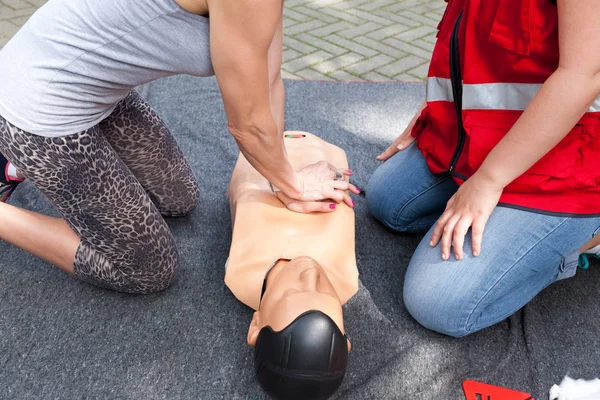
(305, 207)
(477, 235)
(342, 185)
(313, 206)
(346, 171)
(460, 230)
(439, 228)
(348, 200)
(335, 195)
(447, 235)
(390, 151)
(405, 142)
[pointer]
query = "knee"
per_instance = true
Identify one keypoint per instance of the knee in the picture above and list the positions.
(142, 269)
(381, 201)
(152, 268)
(437, 307)
(179, 199)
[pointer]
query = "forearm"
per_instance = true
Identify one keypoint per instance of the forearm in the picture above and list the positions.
(261, 142)
(278, 103)
(553, 112)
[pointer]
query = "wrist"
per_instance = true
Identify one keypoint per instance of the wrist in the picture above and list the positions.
(490, 179)
(296, 189)
(293, 191)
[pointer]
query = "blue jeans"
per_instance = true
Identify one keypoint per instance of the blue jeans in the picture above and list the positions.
(522, 253)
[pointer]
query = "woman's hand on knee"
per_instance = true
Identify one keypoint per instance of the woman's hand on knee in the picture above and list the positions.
(404, 140)
(470, 207)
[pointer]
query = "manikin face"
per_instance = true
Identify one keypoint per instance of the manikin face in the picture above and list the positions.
(293, 288)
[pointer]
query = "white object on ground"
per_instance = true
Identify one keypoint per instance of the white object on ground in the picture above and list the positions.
(580, 389)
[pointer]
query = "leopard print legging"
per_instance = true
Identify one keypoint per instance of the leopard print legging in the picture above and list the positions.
(111, 183)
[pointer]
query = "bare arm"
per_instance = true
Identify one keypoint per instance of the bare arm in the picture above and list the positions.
(242, 40)
(561, 101)
(277, 89)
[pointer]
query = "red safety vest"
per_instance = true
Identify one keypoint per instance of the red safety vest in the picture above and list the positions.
(494, 55)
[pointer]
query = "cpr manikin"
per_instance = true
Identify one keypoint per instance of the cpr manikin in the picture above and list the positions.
(296, 270)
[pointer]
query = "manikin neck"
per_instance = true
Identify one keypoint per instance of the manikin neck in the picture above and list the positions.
(282, 262)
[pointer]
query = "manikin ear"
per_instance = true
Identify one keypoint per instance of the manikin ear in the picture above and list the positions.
(254, 329)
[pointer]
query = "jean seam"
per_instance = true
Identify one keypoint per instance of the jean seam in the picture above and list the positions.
(396, 217)
(507, 271)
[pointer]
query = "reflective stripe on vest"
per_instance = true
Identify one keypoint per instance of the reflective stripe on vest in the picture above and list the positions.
(489, 96)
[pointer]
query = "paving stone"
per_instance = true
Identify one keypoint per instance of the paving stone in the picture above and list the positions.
(7, 13)
(387, 32)
(414, 34)
(361, 30)
(37, 3)
(322, 44)
(329, 29)
(380, 47)
(408, 48)
(354, 46)
(401, 66)
(312, 75)
(337, 63)
(16, 4)
(424, 45)
(362, 67)
(306, 61)
(8, 29)
(407, 78)
(420, 71)
(375, 77)
(288, 75)
(343, 76)
(305, 26)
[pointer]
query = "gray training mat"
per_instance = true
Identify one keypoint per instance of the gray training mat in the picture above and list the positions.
(63, 339)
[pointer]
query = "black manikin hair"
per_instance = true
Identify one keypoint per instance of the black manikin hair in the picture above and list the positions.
(305, 361)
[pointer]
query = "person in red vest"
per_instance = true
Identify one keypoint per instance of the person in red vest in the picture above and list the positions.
(505, 173)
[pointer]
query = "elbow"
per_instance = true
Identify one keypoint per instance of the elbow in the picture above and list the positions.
(586, 75)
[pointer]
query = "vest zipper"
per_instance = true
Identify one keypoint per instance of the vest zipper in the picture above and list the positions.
(457, 91)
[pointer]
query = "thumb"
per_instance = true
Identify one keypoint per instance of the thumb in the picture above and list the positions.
(405, 142)
(390, 151)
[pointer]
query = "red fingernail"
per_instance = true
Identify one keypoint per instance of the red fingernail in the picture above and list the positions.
(353, 204)
(332, 206)
(348, 171)
(357, 188)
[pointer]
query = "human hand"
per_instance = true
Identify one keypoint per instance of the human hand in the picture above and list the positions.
(321, 181)
(470, 207)
(404, 140)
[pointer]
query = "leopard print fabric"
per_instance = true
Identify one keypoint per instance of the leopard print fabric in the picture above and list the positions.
(111, 183)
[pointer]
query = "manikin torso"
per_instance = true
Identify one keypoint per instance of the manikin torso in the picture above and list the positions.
(264, 230)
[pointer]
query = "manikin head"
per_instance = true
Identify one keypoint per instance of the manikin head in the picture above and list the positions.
(301, 350)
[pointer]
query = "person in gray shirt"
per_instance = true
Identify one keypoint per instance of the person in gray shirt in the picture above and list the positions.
(71, 123)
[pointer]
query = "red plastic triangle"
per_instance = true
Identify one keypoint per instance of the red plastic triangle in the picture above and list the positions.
(482, 391)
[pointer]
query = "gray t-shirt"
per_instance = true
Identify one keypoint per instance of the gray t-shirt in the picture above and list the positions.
(74, 60)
